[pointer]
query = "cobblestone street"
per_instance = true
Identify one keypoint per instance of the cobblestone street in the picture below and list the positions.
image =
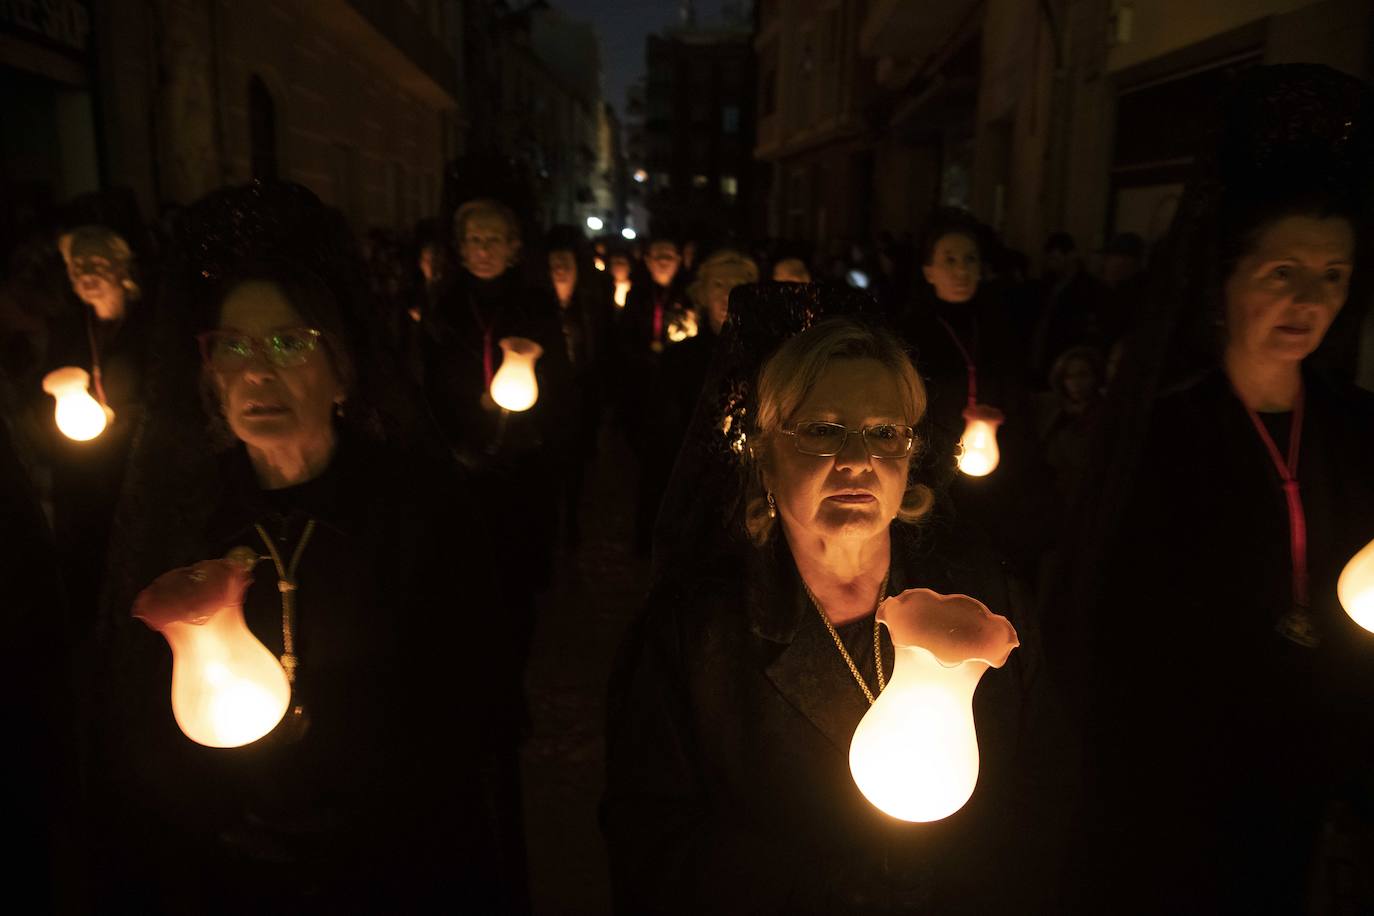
(582, 619)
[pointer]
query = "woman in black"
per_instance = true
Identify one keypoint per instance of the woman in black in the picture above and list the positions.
(728, 785)
(377, 788)
(584, 312)
(489, 300)
(108, 339)
(964, 342)
(1228, 696)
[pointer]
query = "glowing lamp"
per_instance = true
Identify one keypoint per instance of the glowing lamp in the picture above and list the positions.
(79, 416)
(600, 263)
(682, 327)
(1355, 587)
(622, 293)
(595, 223)
(513, 387)
(915, 752)
(628, 234)
(227, 689)
(978, 454)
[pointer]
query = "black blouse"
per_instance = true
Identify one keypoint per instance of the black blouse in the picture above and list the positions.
(404, 687)
(1225, 751)
(728, 783)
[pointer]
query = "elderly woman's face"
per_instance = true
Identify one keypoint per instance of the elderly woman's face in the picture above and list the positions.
(1080, 381)
(96, 281)
(850, 494)
(719, 282)
(562, 268)
(487, 246)
(267, 405)
(1284, 294)
(955, 268)
(663, 261)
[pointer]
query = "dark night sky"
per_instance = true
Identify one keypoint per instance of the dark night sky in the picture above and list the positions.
(623, 26)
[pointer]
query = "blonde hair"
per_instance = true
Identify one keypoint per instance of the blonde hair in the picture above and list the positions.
(787, 377)
(721, 260)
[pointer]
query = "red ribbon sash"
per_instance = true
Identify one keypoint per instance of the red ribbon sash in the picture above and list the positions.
(1288, 474)
(658, 315)
(970, 365)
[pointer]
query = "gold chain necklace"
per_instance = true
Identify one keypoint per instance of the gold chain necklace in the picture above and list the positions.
(839, 643)
(286, 584)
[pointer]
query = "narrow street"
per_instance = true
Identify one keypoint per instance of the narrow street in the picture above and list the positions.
(597, 591)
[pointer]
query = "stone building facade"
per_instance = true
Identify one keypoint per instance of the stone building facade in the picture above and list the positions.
(1038, 115)
(698, 131)
(356, 99)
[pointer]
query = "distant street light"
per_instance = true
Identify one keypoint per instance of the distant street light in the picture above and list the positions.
(628, 233)
(641, 176)
(594, 223)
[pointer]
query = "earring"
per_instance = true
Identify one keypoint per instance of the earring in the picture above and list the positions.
(772, 506)
(338, 409)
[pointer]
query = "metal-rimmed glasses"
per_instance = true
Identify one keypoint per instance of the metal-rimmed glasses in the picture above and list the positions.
(228, 350)
(826, 440)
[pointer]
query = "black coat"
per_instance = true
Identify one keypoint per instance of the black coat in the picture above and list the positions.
(1015, 504)
(386, 796)
(638, 352)
(586, 334)
(87, 476)
(1232, 763)
(728, 783)
(472, 313)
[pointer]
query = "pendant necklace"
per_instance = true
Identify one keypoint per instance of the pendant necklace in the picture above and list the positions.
(839, 643)
(286, 585)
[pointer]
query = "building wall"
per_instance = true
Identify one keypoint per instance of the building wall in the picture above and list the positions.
(1050, 138)
(699, 131)
(357, 121)
(1158, 27)
(813, 89)
(1107, 66)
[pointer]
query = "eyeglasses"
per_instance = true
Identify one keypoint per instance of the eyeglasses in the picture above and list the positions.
(231, 350)
(826, 440)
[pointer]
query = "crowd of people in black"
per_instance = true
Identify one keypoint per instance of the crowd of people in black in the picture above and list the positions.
(1185, 725)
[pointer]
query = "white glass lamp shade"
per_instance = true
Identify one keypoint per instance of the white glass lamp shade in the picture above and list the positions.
(79, 416)
(915, 752)
(978, 453)
(1355, 587)
(683, 326)
(514, 387)
(228, 690)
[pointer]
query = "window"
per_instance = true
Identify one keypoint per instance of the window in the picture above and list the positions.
(729, 119)
(729, 185)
